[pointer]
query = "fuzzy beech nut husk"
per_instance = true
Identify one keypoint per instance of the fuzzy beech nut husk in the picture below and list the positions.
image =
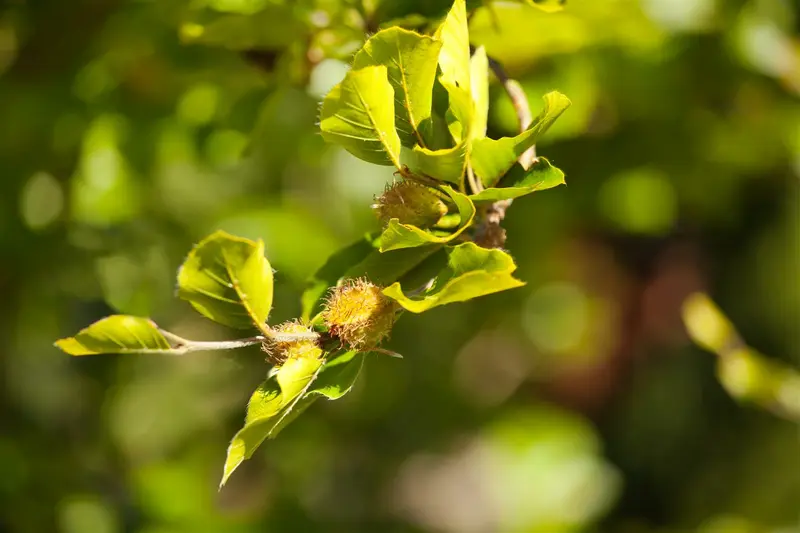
(410, 203)
(279, 351)
(358, 314)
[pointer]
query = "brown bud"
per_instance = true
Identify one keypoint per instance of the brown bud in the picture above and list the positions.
(410, 203)
(359, 314)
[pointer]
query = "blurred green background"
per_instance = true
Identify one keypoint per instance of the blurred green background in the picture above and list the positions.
(129, 129)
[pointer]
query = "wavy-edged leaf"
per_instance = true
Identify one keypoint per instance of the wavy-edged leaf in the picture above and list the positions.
(410, 61)
(454, 57)
(116, 334)
(358, 114)
(338, 375)
(519, 182)
(492, 158)
(228, 280)
(397, 236)
(479, 72)
(471, 272)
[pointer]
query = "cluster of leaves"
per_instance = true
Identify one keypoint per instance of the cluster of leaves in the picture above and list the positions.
(416, 102)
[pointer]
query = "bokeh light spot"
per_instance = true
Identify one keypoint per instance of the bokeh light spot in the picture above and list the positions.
(198, 105)
(640, 201)
(42, 201)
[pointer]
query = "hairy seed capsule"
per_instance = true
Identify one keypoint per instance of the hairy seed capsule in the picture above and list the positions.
(411, 203)
(281, 348)
(359, 314)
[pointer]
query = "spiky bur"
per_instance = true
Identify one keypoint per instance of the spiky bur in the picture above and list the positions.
(279, 349)
(358, 314)
(411, 203)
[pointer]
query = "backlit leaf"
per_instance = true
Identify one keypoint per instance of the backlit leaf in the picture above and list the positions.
(454, 57)
(117, 334)
(519, 182)
(471, 272)
(479, 72)
(358, 114)
(228, 280)
(410, 60)
(491, 158)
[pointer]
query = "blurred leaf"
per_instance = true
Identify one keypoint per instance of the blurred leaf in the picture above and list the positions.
(519, 182)
(479, 70)
(228, 280)
(550, 6)
(273, 28)
(471, 272)
(397, 236)
(491, 158)
(359, 114)
(454, 57)
(117, 334)
(410, 61)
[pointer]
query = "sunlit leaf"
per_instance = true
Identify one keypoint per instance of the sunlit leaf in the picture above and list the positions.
(491, 158)
(116, 334)
(519, 182)
(471, 272)
(228, 280)
(358, 114)
(397, 236)
(295, 374)
(454, 57)
(410, 60)
(479, 72)
(446, 164)
(281, 399)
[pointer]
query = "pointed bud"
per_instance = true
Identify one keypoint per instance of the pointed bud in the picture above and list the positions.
(411, 203)
(281, 347)
(359, 314)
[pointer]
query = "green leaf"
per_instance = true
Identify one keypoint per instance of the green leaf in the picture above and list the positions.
(338, 375)
(471, 272)
(116, 334)
(519, 182)
(386, 268)
(228, 280)
(397, 236)
(447, 164)
(479, 71)
(454, 57)
(332, 271)
(295, 374)
(279, 400)
(491, 158)
(359, 115)
(410, 60)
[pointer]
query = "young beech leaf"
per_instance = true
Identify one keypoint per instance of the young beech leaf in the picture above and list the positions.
(447, 164)
(492, 158)
(454, 57)
(269, 410)
(295, 374)
(479, 72)
(117, 334)
(471, 271)
(410, 61)
(358, 114)
(228, 280)
(519, 182)
(397, 236)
